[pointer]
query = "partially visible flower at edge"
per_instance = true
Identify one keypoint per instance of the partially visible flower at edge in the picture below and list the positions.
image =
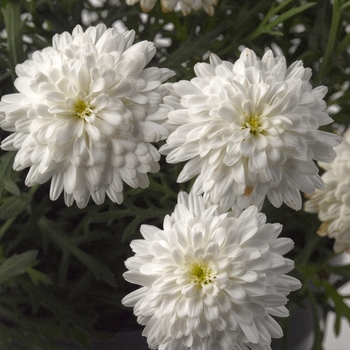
(86, 113)
(210, 280)
(332, 204)
(249, 130)
(171, 5)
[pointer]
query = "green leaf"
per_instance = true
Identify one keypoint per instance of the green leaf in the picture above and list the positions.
(13, 206)
(194, 47)
(141, 215)
(266, 27)
(3, 3)
(341, 308)
(6, 162)
(11, 187)
(99, 270)
(13, 23)
(286, 15)
(16, 265)
(37, 276)
(345, 6)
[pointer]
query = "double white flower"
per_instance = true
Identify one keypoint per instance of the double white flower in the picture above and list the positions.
(332, 204)
(210, 280)
(86, 113)
(249, 130)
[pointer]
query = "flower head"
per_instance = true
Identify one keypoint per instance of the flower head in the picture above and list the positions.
(210, 280)
(249, 130)
(86, 113)
(333, 202)
(184, 5)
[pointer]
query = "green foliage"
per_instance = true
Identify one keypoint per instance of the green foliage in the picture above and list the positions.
(61, 268)
(16, 265)
(274, 18)
(12, 17)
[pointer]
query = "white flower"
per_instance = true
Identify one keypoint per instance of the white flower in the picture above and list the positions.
(333, 202)
(85, 115)
(250, 130)
(210, 281)
(184, 5)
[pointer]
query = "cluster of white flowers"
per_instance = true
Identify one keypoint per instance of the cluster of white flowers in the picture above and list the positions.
(333, 202)
(85, 116)
(210, 280)
(86, 113)
(186, 6)
(249, 130)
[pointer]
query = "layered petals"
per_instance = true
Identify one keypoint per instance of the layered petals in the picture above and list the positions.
(332, 204)
(249, 130)
(210, 280)
(86, 113)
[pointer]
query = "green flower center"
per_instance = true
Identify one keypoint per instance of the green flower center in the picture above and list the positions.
(81, 109)
(254, 124)
(201, 273)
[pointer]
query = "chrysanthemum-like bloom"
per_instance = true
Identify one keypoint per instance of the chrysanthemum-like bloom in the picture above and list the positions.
(184, 5)
(86, 112)
(210, 280)
(250, 130)
(333, 202)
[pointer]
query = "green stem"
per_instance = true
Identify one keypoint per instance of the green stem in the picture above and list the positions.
(317, 329)
(33, 189)
(331, 40)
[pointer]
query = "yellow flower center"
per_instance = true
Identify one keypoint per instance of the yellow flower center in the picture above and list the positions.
(201, 273)
(254, 124)
(82, 109)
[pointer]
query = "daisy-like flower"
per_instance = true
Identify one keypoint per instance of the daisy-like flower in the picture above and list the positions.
(333, 202)
(249, 130)
(86, 113)
(186, 6)
(210, 280)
